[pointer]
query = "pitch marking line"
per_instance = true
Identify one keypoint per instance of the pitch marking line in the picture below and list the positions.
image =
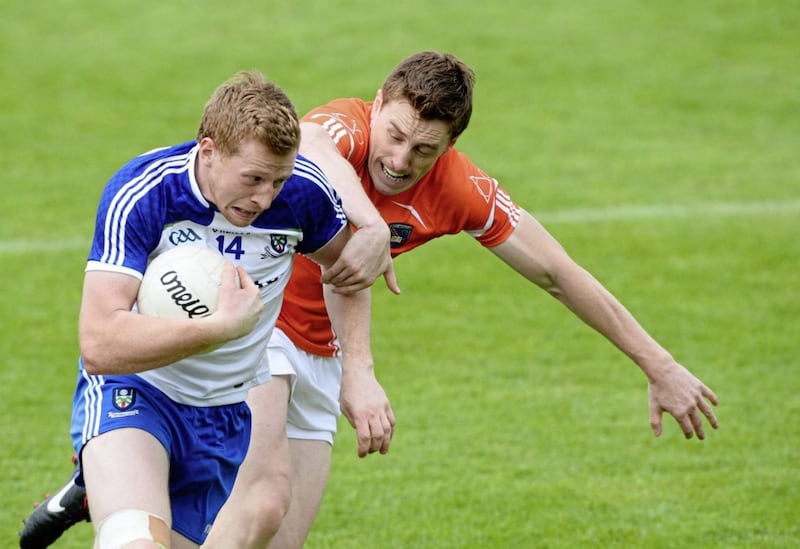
(625, 212)
(632, 212)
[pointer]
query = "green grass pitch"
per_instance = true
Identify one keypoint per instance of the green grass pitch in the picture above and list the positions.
(658, 141)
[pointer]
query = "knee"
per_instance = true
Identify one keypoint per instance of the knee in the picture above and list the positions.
(132, 528)
(271, 510)
(266, 507)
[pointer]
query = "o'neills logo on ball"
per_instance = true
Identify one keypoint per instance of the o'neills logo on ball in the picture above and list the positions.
(182, 297)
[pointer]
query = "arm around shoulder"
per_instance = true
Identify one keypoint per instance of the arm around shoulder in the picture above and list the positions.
(367, 254)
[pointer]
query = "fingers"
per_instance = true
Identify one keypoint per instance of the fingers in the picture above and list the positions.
(709, 394)
(334, 273)
(228, 274)
(697, 425)
(375, 434)
(354, 284)
(702, 407)
(388, 429)
(350, 288)
(690, 422)
(341, 275)
(655, 418)
(347, 280)
(343, 280)
(391, 279)
(685, 398)
(243, 279)
(708, 412)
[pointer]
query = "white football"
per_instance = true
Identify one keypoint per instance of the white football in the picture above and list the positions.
(183, 282)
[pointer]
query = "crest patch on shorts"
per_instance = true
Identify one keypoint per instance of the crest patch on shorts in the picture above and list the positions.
(124, 398)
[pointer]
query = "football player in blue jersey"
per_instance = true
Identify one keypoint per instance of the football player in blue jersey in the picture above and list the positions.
(160, 424)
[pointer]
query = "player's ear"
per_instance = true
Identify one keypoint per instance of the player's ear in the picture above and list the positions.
(206, 150)
(377, 104)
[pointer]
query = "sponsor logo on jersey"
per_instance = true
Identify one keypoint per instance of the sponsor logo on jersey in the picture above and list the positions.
(400, 233)
(124, 398)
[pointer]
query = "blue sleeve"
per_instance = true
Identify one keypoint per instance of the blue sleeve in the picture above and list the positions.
(129, 221)
(319, 210)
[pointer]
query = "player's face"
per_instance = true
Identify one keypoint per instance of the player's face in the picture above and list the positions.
(403, 147)
(242, 185)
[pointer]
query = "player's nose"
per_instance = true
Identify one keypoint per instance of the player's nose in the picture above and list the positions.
(264, 196)
(400, 159)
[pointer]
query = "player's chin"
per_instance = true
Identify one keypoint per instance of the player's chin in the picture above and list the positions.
(391, 187)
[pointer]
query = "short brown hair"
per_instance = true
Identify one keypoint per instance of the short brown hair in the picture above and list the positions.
(248, 106)
(438, 85)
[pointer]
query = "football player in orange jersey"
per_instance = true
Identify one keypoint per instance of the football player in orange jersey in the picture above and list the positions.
(394, 158)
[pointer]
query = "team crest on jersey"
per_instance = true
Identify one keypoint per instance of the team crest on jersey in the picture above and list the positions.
(400, 233)
(124, 398)
(277, 246)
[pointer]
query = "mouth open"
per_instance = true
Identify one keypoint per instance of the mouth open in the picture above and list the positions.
(244, 214)
(394, 176)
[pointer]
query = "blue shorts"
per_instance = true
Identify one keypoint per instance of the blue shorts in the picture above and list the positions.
(205, 445)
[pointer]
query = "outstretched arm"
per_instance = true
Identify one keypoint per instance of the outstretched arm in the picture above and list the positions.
(366, 256)
(536, 255)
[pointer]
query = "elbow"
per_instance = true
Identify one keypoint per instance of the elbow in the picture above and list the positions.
(95, 361)
(548, 282)
(90, 361)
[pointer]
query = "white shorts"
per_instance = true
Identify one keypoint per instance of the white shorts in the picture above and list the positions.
(315, 384)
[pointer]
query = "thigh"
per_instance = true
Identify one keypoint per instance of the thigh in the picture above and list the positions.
(313, 410)
(269, 449)
(262, 491)
(126, 469)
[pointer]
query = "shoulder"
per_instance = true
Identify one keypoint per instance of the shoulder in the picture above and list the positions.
(142, 179)
(347, 123)
(157, 162)
(308, 179)
(457, 176)
(342, 110)
(308, 193)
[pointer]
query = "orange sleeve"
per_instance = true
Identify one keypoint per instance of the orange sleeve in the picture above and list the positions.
(347, 122)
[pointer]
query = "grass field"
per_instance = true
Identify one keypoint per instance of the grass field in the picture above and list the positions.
(658, 141)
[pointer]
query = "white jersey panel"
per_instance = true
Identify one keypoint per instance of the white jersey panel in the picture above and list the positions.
(226, 374)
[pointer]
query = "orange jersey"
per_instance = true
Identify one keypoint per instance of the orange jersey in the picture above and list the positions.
(454, 196)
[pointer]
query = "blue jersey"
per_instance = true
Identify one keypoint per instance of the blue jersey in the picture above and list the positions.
(153, 203)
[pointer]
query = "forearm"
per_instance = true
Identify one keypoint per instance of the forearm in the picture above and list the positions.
(147, 343)
(318, 146)
(350, 317)
(596, 306)
(361, 398)
(537, 256)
